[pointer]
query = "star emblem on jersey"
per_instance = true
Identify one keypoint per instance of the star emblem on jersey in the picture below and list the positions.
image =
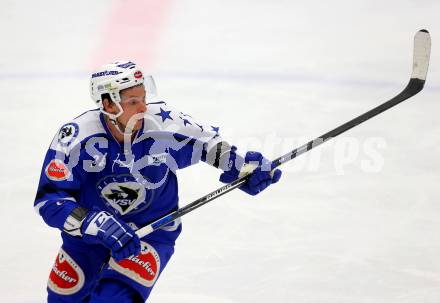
(124, 194)
(68, 133)
(200, 126)
(185, 121)
(216, 129)
(164, 114)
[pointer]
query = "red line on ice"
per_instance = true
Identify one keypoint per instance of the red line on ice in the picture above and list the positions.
(133, 31)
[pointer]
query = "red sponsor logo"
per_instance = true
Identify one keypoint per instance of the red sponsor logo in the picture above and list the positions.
(143, 268)
(66, 276)
(56, 170)
(138, 74)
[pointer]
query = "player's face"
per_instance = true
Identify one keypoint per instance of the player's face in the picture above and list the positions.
(133, 102)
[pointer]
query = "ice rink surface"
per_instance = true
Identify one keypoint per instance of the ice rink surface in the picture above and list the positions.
(356, 220)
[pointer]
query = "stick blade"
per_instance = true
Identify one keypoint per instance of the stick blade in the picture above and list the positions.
(422, 51)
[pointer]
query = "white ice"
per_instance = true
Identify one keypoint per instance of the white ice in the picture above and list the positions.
(273, 75)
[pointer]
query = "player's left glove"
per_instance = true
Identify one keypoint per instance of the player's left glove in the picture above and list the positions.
(259, 168)
(100, 227)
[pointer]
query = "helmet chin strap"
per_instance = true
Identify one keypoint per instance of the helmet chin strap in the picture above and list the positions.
(125, 129)
(113, 118)
(118, 125)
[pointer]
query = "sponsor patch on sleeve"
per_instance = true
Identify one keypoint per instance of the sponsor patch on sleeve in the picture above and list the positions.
(66, 277)
(56, 170)
(144, 268)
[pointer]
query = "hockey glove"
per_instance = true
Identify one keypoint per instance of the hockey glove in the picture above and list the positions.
(259, 168)
(100, 227)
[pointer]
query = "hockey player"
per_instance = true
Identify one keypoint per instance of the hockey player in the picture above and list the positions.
(111, 171)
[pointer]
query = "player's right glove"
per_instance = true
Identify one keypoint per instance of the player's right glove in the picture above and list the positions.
(260, 172)
(100, 227)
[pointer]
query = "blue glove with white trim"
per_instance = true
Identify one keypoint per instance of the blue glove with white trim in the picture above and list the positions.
(100, 227)
(260, 170)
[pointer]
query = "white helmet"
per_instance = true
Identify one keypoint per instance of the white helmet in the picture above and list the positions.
(114, 77)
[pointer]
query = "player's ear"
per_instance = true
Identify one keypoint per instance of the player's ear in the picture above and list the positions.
(109, 106)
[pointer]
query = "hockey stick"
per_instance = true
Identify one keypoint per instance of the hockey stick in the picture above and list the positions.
(422, 48)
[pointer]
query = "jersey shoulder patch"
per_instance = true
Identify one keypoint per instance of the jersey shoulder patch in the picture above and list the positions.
(75, 131)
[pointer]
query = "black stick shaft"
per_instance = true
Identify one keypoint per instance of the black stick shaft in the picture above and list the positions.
(413, 87)
(422, 48)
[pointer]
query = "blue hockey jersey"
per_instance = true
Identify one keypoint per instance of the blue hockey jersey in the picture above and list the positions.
(135, 180)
